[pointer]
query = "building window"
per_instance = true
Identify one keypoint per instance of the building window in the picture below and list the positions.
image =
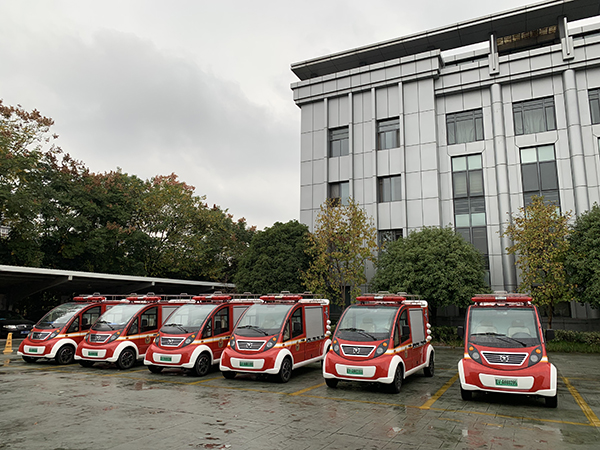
(389, 189)
(388, 236)
(339, 142)
(339, 193)
(594, 95)
(388, 134)
(534, 116)
(465, 127)
(539, 174)
(469, 202)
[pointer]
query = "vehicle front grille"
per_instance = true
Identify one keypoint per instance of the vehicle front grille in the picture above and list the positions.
(357, 350)
(171, 341)
(250, 345)
(39, 336)
(99, 338)
(513, 359)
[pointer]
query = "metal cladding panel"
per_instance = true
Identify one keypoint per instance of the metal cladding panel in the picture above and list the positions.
(314, 321)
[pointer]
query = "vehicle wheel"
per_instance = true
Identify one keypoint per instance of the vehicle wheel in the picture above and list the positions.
(466, 395)
(84, 363)
(394, 386)
(29, 359)
(126, 359)
(430, 369)
(202, 365)
(285, 372)
(332, 382)
(552, 402)
(66, 355)
(155, 369)
(228, 374)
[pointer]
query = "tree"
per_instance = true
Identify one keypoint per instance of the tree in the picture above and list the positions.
(343, 241)
(539, 234)
(583, 257)
(435, 263)
(275, 259)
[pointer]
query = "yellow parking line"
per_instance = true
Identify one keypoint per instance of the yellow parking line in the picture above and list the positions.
(439, 393)
(204, 381)
(582, 404)
(302, 391)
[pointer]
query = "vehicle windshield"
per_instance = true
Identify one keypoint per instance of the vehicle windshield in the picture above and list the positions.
(59, 316)
(262, 320)
(187, 319)
(366, 323)
(117, 317)
(503, 327)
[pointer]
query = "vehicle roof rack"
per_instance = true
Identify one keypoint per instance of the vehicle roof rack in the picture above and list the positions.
(384, 297)
(150, 297)
(284, 296)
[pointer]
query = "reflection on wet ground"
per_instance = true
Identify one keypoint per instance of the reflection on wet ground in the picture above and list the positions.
(112, 409)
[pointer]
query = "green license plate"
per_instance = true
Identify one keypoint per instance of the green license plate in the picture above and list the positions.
(33, 350)
(354, 371)
(165, 358)
(246, 363)
(92, 353)
(505, 382)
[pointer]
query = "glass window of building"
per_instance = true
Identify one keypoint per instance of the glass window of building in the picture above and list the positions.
(594, 95)
(387, 236)
(389, 189)
(469, 202)
(339, 193)
(339, 142)
(539, 174)
(388, 133)
(534, 116)
(464, 127)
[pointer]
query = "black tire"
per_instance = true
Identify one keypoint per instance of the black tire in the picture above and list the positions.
(285, 371)
(429, 371)
(466, 395)
(65, 355)
(85, 363)
(229, 374)
(155, 369)
(126, 359)
(202, 365)
(29, 359)
(332, 382)
(395, 386)
(551, 402)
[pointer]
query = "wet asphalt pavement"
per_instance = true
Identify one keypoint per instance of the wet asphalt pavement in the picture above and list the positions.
(46, 406)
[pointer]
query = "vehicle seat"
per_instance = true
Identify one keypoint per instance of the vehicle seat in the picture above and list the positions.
(486, 327)
(368, 325)
(517, 326)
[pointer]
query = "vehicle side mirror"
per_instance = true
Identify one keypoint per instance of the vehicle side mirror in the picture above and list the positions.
(460, 330)
(550, 335)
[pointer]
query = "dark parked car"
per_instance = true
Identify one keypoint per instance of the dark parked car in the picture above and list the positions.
(12, 322)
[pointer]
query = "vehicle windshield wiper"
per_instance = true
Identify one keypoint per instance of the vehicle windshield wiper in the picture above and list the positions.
(107, 323)
(255, 328)
(360, 331)
(177, 325)
(500, 336)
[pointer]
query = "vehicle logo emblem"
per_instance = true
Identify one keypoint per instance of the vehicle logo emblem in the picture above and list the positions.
(248, 344)
(356, 350)
(504, 358)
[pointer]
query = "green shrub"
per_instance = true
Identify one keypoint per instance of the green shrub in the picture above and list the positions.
(444, 334)
(583, 337)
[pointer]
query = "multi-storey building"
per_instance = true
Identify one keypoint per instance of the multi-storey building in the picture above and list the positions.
(421, 133)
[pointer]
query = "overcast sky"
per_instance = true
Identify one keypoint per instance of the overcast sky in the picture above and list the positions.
(200, 88)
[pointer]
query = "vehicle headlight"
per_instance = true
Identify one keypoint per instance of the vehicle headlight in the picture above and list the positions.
(157, 339)
(113, 337)
(10, 327)
(381, 349)
(232, 342)
(535, 357)
(189, 340)
(336, 346)
(53, 334)
(474, 354)
(271, 343)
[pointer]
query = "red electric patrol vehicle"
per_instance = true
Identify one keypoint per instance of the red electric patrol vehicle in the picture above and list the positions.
(275, 337)
(124, 332)
(196, 334)
(58, 333)
(504, 349)
(382, 338)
